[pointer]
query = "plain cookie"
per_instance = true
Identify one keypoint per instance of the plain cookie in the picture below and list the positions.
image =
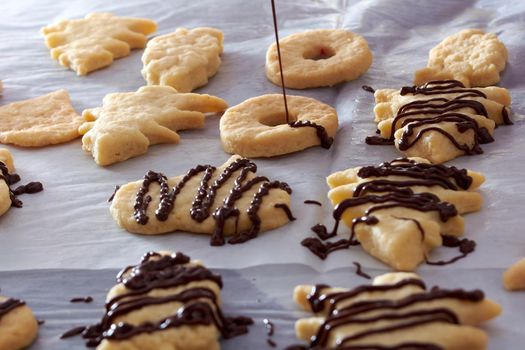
(471, 56)
(315, 58)
(230, 200)
(257, 127)
(395, 312)
(18, 326)
(514, 276)
(46, 120)
(93, 42)
(129, 122)
(184, 59)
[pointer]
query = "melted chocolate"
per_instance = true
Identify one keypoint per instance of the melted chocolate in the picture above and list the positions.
(286, 210)
(10, 304)
(380, 310)
(199, 305)
(276, 30)
(359, 270)
(438, 87)
(11, 179)
(206, 196)
(110, 199)
(368, 89)
(326, 141)
(73, 332)
(310, 201)
(86, 300)
(465, 246)
(270, 329)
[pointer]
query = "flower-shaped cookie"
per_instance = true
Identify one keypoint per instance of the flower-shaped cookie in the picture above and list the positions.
(128, 123)
(93, 42)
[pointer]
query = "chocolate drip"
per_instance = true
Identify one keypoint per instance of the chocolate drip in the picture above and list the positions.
(110, 199)
(73, 332)
(466, 246)
(326, 141)
(438, 87)
(276, 31)
(87, 299)
(368, 89)
(270, 329)
(402, 346)
(378, 141)
(310, 201)
(286, 210)
(11, 179)
(206, 196)
(199, 304)
(8, 305)
(359, 270)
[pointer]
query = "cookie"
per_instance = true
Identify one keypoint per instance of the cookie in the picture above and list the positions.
(440, 120)
(395, 312)
(401, 210)
(184, 59)
(18, 326)
(471, 56)
(8, 196)
(45, 120)
(226, 201)
(514, 276)
(167, 301)
(316, 58)
(129, 122)
(91, 43)
(258, 128)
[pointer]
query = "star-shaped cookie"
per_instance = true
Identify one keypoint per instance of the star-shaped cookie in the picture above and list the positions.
(128, 123)
(90, 43)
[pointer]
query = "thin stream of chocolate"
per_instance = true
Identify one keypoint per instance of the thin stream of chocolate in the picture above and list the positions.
(110, 199)
(270, 330)
(359, 271)
(310, 201)
(86, 300)
(465, 246)
(368, 89)
(276, 30)
(286, 210)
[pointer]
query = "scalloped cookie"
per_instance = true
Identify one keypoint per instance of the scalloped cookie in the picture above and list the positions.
(395, 312)
(321, 57)
(18, 326)
(230, 200)
(93, 42)
(129, 122)
(471, 56)
(45, 120)
(184, 59)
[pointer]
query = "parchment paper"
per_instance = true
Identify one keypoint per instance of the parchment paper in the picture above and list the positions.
(68, 226)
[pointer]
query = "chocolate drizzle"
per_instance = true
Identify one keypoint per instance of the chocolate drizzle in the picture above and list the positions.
(8, 305)
(465, 246)
(270, 330)
(408, 312)
(11, 179)
(286, 210)
(310, 201)
(199, 304)
(86, 300)
(425, 113)
(206, 196)
(368, 89)
(359, 270)
(326, 141)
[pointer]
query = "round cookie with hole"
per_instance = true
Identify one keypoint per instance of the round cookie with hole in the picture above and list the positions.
(258, 127)
(316, 58)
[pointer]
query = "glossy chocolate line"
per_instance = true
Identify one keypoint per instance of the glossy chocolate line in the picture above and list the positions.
(310, 201)
(110, 199)
(317, 299)
(276, 31)
(416, 222)
(86, 300)
(359, 270)
(10, 304)
(286, 210)
(466, 247)
(438, 87)
(368, 89)
(73, 332)
(322, 135)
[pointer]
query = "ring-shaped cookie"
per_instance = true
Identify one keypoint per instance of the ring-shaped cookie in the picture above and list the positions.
(315, 58)
(257, 127)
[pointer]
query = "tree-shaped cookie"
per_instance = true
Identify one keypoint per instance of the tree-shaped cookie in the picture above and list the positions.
(395, 312)
(230, 200)
(93, 42)
(128, 123)
(184, 59)
(401, 210)
(471, 56)
(167, 301)
(440, 120)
